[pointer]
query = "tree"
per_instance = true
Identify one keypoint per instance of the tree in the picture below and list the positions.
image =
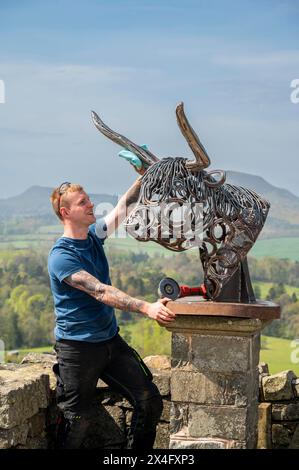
(257, 291)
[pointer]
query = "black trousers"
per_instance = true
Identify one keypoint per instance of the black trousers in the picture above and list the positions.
(80, 365)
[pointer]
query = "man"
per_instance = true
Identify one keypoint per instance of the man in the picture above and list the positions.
(88, 345)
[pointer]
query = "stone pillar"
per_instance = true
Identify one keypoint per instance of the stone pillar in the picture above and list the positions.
(214, 375)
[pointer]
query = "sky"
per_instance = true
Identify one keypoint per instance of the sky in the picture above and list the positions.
(132, 61)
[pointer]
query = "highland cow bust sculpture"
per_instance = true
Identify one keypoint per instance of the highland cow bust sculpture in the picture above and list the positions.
(224, 220)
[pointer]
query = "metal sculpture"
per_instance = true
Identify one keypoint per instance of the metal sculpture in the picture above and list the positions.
(232, 217)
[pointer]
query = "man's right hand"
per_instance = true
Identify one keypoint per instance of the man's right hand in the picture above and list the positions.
(159, 312)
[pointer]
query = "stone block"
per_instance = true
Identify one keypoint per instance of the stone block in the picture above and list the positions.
(108, 397)
(166, 411)
(161, 362)
(178, 418)
(40, 358)
(263, 368)
(125, 404)
(216, 325)
(278, 386)
(222, 422)
(14, 436)
(176, 443)
(221, 353)
(295, 439)
(180, 347)
(282, 435)
(264, 426)
(254, 350)
(204, 443)
(37, 424)
(10, 366)
(162, 436)
(263, 371)
(101, 384)
(213, 387)
(295, 384)
(22, 394)
(128, 415)
(44, 362)
(252, 426)
(285, 412)
(162, 380)
(117, 415)
(239, 445)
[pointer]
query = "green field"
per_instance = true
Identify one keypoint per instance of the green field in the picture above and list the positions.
(46, 235)
(278, 354)
(129, 244)
(265, 286)
(277, 248)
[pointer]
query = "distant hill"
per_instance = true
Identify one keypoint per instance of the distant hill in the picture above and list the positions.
(35, 202)
(283, 219)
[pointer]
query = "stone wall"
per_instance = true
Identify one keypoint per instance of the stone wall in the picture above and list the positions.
(278, 410)
(28, 411)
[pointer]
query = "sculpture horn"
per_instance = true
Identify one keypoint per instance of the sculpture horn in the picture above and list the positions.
(202, 159)
(145, 155)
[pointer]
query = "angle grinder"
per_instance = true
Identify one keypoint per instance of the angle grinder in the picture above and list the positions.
(168, 287)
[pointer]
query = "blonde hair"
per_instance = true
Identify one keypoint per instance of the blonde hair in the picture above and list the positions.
(59, 199)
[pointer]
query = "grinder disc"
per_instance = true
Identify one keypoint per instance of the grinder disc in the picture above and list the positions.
(168, 287)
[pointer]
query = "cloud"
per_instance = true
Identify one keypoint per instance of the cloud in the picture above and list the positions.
(261, 60)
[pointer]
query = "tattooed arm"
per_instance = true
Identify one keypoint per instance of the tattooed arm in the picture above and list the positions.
(123, 207)
(114, 297)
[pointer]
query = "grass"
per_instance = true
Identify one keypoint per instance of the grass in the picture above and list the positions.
(277, 248)
(17, 355)
(129, 244)
(41, 349)
(279, 353)
(265, 286)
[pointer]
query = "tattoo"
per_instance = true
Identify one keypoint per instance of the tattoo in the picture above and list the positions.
(133, 193)
(109, 295)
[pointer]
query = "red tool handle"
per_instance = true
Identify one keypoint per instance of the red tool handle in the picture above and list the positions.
(186, 290)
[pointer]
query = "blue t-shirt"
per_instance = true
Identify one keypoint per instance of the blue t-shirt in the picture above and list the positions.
(78, 315)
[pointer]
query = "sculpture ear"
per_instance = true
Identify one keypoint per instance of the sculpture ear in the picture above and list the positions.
(202, 159)
(142, 152)
(214, 178)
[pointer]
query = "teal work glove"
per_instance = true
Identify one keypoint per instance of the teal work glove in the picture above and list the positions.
(133, 159)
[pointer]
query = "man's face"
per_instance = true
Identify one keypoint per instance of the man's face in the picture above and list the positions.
(80, 209)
